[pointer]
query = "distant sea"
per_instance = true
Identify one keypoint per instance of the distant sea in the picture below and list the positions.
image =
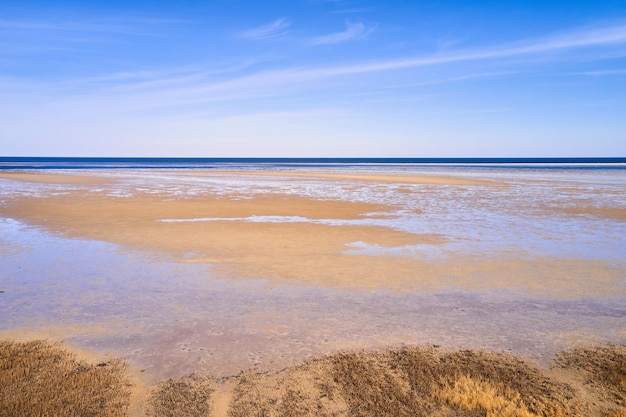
(21, 163)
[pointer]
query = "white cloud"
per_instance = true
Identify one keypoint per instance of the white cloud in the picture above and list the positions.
(272, 30)
(353, 31)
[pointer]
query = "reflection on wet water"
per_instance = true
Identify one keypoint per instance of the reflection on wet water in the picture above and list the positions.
(174, 318)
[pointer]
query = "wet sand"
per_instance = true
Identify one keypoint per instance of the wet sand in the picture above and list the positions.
(262, 269)
(51, 178)
(276, 237)
(396, 179)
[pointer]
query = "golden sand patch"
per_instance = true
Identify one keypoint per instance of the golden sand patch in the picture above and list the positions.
(47, 178)
(398, 179)
(52, 178)
(612, 213)
(22, 334)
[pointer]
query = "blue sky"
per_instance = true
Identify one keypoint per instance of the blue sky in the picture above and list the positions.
(313, 78)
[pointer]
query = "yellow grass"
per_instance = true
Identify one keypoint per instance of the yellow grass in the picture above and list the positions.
(479, 395)
(40, 378)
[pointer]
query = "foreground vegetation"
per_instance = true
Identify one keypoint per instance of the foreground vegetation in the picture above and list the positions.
(42, 379)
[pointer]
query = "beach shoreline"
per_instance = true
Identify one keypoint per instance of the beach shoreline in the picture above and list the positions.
(218, 272)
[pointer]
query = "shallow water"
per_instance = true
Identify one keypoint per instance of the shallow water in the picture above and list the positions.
(173, 318)
(523, 211)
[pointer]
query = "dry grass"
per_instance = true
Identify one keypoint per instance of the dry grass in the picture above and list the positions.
(508, 378)
(472, 394)
(186, 397)
(603, 369)
(406, 382)
(40, 378)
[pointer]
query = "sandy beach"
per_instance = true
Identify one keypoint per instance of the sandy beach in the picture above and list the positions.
(220, 272)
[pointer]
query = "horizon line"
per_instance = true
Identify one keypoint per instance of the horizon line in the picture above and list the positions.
(512, 159)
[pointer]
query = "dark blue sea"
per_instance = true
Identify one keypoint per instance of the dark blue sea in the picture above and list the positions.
(20, 163)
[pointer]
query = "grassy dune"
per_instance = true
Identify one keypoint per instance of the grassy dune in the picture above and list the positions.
(41, 378)
(406, 382)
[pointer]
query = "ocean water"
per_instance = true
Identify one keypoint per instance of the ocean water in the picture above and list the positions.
(8, 163)
(173, 318)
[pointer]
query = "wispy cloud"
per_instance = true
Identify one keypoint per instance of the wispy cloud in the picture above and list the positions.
(27, 38)
(446, 80)
(144, 90)
(126, 26)
(581, 38)
(33, 25)
(601, 73)
(353, 31)
(275, 29)
(148, 78)
(264, 82)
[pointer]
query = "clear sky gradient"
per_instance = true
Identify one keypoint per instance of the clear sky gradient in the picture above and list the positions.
(313, 78)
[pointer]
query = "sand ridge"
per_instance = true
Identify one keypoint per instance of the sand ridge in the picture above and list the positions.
(46, 178)
(81, 178)
(612, 213)
(389, 178)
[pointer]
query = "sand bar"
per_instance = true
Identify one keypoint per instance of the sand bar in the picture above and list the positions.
(51, 178)
(398, 179)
